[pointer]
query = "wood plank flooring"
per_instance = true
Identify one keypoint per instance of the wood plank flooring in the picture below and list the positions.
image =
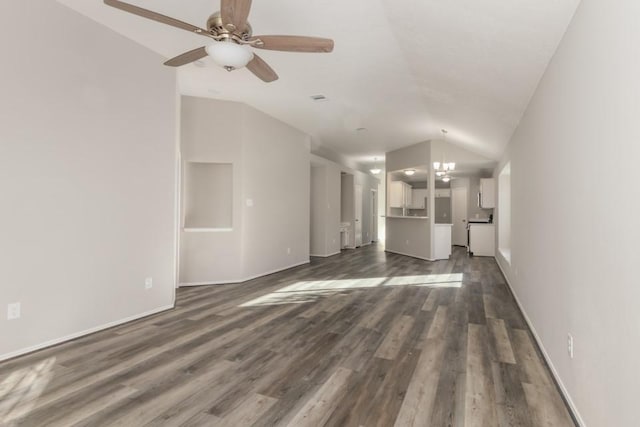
(363, 338)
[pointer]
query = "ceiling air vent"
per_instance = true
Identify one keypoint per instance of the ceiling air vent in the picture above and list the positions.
(318, 98)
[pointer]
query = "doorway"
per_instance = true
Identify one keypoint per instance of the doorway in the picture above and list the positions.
(373, 232)
(459, 216)
(358, 216)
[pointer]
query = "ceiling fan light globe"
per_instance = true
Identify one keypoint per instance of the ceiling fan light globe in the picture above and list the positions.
(228, 54)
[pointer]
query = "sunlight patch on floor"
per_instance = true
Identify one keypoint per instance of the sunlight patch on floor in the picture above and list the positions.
(310, 291)
(453, 280)
(21, 389)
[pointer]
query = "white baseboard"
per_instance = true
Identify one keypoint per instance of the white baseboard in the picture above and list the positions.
(245, 279)
(83, 333)
(325, 256)
(543, 350)
(220, 282)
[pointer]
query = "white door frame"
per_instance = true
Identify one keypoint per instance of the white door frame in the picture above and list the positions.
(357, 211)
(373, 225)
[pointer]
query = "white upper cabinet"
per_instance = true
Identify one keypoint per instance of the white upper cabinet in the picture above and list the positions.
(406, 188)
(418, 196)
(399, 194)
(396, 195)
(487, 195)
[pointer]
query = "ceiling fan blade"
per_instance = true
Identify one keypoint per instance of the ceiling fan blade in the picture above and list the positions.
(236, 13)
(261, 69)
(187, 57)
(154, 16)
(294, 43)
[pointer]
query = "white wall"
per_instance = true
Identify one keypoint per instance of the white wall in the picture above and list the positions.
(208, 195)
(382, 208)
(574, 177)
(319, 214)
(87, 175)
(271, 168)
(368, 183)
(276, 178)
(333, 208)
(504, 206)
(333, 201)
(325, 207)
(411, 236)
(206, 136)
(347, 199)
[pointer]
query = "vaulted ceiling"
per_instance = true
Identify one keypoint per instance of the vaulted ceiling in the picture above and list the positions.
(401, 69)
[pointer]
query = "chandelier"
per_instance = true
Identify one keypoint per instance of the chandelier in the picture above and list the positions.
(443, 168)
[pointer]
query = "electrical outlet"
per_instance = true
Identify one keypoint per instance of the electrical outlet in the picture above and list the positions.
(13, 311)
(407, 241)
(289, 251)
(148, 283)
(570, 345)
(334, 240)
(249, 203)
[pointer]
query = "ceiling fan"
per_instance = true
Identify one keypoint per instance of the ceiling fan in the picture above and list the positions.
(232, 38)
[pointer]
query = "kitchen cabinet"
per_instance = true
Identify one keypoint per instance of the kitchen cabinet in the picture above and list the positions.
(396, 194)
(399, 194)
(418, 196)
(487, 194)
(407, 195)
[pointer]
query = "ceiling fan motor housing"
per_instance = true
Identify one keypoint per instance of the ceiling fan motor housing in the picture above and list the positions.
(216, 27)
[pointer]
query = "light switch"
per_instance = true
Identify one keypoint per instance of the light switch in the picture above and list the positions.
(249, 203)
(13, 311)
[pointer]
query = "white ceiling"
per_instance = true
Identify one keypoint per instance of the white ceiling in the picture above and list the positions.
(402, 69)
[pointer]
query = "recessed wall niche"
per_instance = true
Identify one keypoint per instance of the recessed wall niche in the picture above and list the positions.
(208, 195)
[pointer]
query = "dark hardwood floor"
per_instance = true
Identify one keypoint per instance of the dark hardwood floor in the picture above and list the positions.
(363, 338)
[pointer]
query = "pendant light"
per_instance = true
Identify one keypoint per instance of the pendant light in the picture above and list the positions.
(442, 168)
(375, 170)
